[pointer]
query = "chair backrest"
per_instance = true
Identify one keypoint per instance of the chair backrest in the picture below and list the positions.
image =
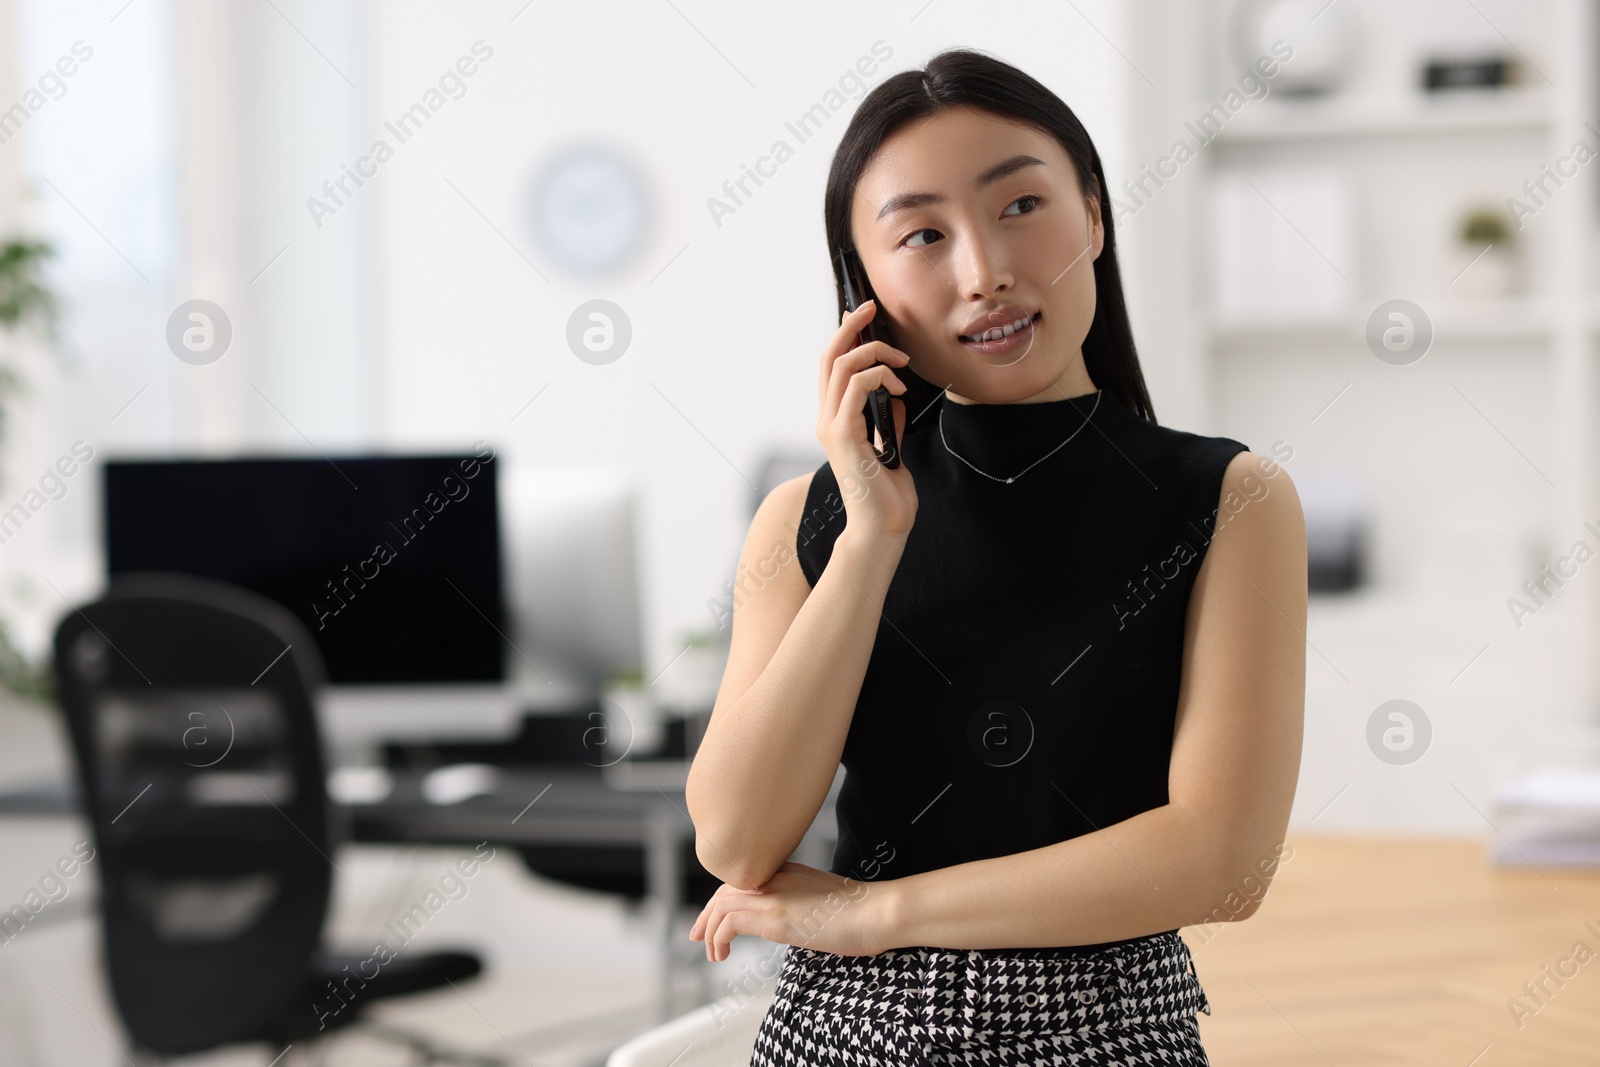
(190, 707)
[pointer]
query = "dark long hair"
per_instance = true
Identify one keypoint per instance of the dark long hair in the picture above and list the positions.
(964, 77)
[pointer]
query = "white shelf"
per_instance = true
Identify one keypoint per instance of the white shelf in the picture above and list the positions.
(1275, 119)
(1407, 158)
(1516, 318)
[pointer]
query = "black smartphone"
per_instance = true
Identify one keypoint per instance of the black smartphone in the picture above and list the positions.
(877, 414)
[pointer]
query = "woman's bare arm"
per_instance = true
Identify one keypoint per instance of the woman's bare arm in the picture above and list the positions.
(795, 666)
(798, 655)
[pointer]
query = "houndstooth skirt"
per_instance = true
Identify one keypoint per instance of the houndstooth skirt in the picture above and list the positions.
(915, 1007)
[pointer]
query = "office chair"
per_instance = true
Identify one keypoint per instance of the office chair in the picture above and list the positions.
(189, 705)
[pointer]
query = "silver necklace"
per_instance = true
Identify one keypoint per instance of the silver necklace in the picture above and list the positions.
(1098, 394)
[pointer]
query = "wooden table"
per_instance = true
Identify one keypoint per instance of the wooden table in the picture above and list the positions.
(1376, 952)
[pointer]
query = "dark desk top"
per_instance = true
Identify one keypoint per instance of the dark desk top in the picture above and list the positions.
(51, 796)
(545, 805)
(621, 804)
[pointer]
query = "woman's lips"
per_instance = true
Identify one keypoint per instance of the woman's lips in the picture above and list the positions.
(1021, 339)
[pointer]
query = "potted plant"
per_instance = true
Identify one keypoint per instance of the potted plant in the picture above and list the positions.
(1486, 262)
(633, 719)
(27, 306)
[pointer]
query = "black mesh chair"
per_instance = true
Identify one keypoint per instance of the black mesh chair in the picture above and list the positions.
(189, 704)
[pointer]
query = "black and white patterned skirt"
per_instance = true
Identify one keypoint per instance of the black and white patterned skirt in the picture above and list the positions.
(1131, 1003)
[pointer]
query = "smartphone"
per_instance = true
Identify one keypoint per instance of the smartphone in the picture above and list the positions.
(877, 415)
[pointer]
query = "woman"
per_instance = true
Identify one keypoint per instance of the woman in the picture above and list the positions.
(1070, 722)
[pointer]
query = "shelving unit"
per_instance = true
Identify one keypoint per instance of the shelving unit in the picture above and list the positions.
(1516, 318)
(1478, 459)
(1464, 112)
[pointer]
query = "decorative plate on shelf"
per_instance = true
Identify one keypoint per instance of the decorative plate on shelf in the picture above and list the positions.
(1322, 35)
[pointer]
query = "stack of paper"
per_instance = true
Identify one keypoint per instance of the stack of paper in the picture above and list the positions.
(1549, 817)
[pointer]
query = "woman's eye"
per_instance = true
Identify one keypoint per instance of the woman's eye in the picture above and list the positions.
(914, 243)
(1019, 200)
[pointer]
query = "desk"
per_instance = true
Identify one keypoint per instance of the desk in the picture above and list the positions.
(628, 804)
(554, 806)
(1390, 951)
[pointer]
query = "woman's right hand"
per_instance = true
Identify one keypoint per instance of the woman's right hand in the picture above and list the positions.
(877, 500)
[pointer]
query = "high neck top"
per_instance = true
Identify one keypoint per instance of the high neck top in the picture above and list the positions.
(1023, 683)
(1005, 440)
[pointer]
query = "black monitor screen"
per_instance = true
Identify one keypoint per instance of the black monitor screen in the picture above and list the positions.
(393, 563)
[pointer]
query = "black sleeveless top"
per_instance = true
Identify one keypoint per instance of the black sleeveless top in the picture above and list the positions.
(1023, 684)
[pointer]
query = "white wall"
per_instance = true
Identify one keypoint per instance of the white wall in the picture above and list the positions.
(92, 172)
(416, 315)
(468, 331)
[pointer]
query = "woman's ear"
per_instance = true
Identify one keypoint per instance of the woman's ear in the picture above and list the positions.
(1097, 229)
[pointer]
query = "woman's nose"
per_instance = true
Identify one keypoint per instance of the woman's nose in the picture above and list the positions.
(984, 270)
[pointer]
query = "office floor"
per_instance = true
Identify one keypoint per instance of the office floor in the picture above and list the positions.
(1390, 952)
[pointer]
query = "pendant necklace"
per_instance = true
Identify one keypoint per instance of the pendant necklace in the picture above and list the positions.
(1098, 394)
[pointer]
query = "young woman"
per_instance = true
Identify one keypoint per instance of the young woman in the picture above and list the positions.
(1070, 722)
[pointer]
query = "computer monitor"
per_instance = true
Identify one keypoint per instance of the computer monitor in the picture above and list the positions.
(392, 562)
(573, 574)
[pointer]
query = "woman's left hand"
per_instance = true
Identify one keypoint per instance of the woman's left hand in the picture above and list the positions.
(799, 905)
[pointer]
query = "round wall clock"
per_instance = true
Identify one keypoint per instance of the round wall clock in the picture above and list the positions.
(589, 209)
